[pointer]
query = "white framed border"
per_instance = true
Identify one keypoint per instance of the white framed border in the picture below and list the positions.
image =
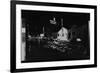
(20, 65)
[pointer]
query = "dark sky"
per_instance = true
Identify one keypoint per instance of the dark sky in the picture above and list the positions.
(37, 19)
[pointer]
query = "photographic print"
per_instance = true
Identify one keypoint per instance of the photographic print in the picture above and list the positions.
(50, 36)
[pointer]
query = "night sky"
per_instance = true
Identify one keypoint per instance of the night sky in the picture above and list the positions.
(35, 20)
